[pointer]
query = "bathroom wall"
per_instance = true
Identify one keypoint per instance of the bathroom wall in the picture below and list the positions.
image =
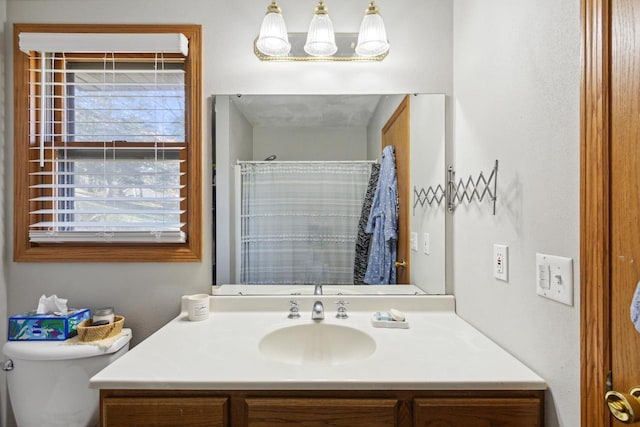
(517, 99)
(148, 293)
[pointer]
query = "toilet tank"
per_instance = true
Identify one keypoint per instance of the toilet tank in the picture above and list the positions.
(49, 383)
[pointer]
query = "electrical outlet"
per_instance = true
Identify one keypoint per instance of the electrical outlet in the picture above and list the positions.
(500, 262)
(426, 244)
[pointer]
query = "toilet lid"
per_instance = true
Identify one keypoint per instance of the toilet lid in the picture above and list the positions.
(62, 350)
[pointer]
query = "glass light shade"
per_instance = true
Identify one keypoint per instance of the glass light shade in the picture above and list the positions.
(372, 38)
(321, 41)
(273, 39)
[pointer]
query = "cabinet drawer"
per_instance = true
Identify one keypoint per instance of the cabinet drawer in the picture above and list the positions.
(477, 412)
(164, 411)
(312, 412)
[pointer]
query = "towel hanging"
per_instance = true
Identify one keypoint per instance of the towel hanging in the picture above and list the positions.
(635, 308)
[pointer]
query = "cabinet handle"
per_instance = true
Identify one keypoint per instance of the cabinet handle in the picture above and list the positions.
(401, 264)
(625, 407)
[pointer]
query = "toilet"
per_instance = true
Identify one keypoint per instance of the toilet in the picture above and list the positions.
(48, 381)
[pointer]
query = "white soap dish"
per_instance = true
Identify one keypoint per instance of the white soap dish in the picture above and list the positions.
(383, 319)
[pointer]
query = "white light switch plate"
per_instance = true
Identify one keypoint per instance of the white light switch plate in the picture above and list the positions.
(413, 240)
(426, 244)
(554, 278)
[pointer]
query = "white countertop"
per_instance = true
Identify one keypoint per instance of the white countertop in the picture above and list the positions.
(439, 351)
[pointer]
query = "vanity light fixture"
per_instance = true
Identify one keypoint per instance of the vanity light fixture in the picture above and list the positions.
(372, 38)
(321, 40)
(320, 43)
(273, 39)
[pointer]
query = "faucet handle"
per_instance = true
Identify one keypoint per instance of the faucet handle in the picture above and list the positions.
(342, 309)
(294, 312)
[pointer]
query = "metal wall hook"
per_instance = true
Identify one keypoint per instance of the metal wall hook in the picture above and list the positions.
(429, 196)
(458, 192)
(472, 189)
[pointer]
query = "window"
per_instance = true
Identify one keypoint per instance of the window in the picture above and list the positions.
(107, 146)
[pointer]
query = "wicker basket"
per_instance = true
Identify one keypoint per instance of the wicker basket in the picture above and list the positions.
(86, 332)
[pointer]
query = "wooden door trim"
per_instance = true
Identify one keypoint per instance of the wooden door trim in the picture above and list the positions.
(595, 211)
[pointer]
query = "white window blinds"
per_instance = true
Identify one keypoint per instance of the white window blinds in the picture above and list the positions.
(107, 141)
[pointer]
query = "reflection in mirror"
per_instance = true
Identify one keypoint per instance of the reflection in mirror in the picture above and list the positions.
(299, 221)
(281, 131)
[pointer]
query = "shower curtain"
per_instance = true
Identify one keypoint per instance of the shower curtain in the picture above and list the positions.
(299, 221)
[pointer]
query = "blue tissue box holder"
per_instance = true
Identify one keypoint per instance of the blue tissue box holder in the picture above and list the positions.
(30, 326)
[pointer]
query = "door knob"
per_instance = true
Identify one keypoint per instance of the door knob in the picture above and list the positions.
(401, 264)
(625, 407)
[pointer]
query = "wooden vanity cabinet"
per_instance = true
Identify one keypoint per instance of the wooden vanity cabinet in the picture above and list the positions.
(163, 409)
(316, 408)
(477, 412)
(320, 411)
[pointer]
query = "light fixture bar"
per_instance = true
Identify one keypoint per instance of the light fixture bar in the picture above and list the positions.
(346, 43)
(320, 43)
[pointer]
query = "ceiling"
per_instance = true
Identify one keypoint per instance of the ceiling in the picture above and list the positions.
(307, 110)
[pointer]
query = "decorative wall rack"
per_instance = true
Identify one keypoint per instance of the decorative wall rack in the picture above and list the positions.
(458, 192)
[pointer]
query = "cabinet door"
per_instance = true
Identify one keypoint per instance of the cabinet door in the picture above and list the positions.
(321, 412)
(478, 412)
(164, 411)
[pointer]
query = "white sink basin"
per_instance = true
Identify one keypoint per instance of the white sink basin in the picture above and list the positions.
(318, 344)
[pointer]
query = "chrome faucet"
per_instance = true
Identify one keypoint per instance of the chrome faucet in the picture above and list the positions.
(317, 313)
(317, 290)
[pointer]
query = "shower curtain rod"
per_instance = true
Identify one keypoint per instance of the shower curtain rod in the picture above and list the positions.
(253, 162)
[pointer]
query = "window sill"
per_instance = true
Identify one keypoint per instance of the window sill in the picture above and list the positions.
(108, 252)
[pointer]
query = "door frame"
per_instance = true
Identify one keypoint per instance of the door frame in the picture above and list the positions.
(595, 244)
(404, 193)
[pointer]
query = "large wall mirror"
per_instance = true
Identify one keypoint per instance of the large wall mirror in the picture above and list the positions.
(292, 130)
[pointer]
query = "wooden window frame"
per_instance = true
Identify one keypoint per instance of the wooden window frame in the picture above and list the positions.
(191, 250)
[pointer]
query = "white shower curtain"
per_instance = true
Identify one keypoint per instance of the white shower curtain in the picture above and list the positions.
(299, 221)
